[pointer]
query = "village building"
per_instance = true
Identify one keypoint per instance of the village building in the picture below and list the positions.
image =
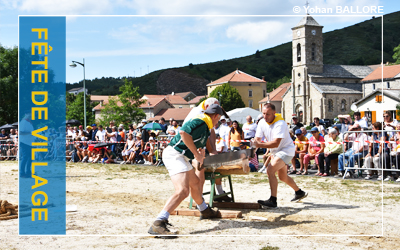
(76, 91)
(319, 90)
(251, 89)
(275, 97)
(188, 96)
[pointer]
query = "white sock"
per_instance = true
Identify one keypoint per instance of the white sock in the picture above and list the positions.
(203, 206)
(219, 189)
(164, 215)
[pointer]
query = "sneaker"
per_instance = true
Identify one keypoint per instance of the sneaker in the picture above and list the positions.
(299, 197)
(398, 180)
(268, 203)
(348, 175)
(208, 213)
(340, 174)
(368, 177)
(380, 177)
(388, 178)
(159, 227)
(123, 162)
(85, 159)
(262, 169)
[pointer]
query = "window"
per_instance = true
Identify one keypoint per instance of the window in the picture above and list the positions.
(250, 93)
(298, 89)
(250, 103)
(388, 85)
(373, 86)
(344, 81)
(330, 105)
(357, 81)
(332, 81)
(298, 52)
(343, 105)
(180, 107)
(313, 51)
(264, 93)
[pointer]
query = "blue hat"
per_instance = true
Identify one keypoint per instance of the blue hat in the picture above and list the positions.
(298, 132)
(314, 129)
(94, 124)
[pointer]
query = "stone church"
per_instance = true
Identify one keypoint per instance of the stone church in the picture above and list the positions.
(319, 90)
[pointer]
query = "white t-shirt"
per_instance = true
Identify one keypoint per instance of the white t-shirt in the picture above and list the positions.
(362, 123)
(224, 130)
(221, 144)
(249, 130)
(113, 138)
(193, 113)
(277, 130)
(101, 135)
(130, 144)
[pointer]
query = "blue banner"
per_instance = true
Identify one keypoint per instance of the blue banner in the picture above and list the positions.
(42, 58)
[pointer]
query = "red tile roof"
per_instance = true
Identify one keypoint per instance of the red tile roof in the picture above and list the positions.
(98, 98)
(196, 99)
(183, 94)
(174, 99)
(177, 114)
(237, 76)
(153, 103)
(388, 73)
(276, 95)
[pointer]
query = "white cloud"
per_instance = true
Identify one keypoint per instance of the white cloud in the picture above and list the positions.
(67, 7)
(257, 33)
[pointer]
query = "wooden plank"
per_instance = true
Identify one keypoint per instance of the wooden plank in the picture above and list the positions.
(224, 214)
(237, 205)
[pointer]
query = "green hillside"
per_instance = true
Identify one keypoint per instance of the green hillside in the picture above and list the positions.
(359, 44)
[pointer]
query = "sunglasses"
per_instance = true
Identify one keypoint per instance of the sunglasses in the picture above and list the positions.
(386, 116)
(314, 132)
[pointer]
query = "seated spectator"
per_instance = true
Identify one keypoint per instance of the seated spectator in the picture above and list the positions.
(83, 151)
(315, 148)
(130, 143)
(148, 151)
(304, 131)
(136, 149)
(332, 151)
(300, 151)
(377, 151)
(253, 162)
(220, 144)
(395, 154)
(109, 156)
(358, 120)
(389, 124)
(358, 150)
(235, 134)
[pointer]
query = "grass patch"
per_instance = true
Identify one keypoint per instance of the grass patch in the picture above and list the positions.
(269, 248)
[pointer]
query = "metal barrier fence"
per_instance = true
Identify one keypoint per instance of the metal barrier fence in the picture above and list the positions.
(8, 149)
(371, 150)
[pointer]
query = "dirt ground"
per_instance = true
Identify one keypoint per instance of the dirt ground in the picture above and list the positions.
(117, 203)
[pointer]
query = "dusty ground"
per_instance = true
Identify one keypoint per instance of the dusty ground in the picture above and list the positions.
(115, 203)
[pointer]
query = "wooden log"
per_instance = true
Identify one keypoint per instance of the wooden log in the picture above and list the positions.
(238, 169)
(224, 214)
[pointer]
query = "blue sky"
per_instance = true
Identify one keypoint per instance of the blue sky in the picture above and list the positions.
(116, 42)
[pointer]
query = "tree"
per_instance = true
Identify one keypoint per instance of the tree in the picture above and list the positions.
(75, 108)
(123, 108)
(258, 54)
(396, 55)
(273, 85)
(230, 97)
(8, 85)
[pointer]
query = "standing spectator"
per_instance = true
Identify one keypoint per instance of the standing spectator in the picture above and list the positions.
(101, 134)
(249, 128)
(145, 135)
(163, 125)
(94, 132)
(236, 133)
(175, 127)
(89, 133)
(296, 124)
(395, 154)
(320, 127)
(70, 132)
(82, 132)
(224, 130)
(122, 126)
(356, 152)
(357, 120)
(332, 151)
(377, 151)
(109, 128)
(300, 151)
(121, 134)
(3, 135)
(389, 123)
(316, 147)
(112, 137)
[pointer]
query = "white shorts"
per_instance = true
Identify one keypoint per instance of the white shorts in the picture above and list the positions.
(175, 162)
(126, 153)
(284, 157)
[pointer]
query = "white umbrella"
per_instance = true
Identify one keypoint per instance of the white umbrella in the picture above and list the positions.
(240, 114)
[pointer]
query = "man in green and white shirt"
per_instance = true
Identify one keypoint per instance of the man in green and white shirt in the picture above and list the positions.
(187, 145)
